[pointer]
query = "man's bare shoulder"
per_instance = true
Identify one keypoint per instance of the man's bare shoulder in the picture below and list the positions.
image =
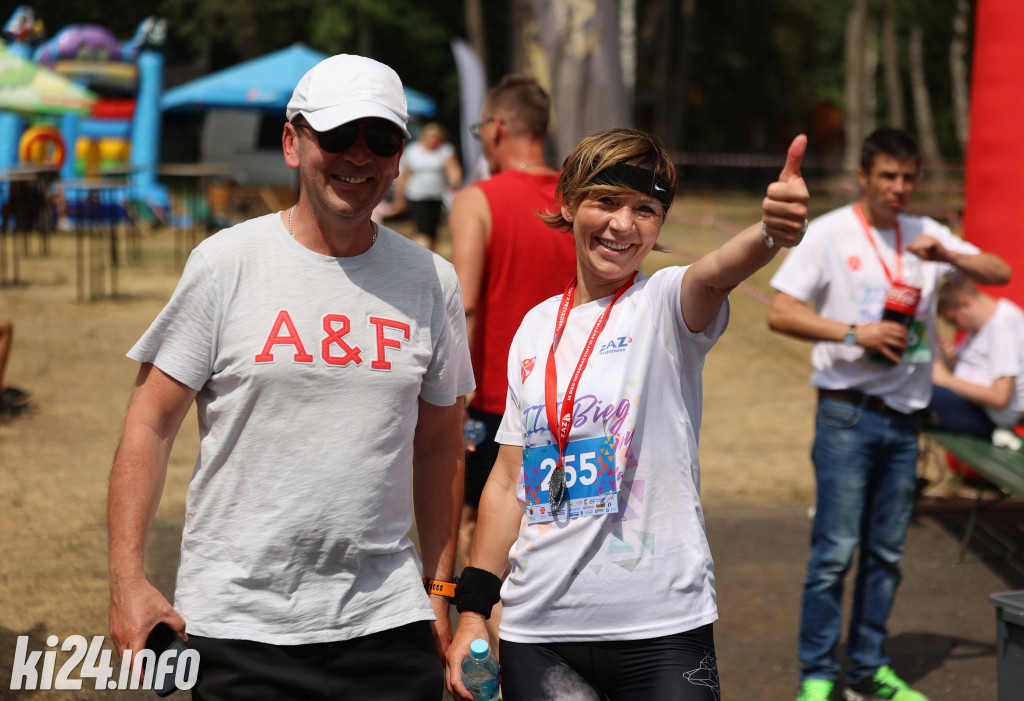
(470, 210)
(471, 198)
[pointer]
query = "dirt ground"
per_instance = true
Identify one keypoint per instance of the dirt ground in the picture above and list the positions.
(757, 481)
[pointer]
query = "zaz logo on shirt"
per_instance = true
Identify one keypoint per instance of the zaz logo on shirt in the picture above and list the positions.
(616, 345)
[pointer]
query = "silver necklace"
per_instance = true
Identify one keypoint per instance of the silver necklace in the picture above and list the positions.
(372, 223)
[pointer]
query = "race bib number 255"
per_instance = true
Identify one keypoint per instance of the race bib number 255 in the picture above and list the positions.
(589, 478)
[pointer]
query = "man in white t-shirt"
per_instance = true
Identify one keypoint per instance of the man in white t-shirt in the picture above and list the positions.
(978, 388)
(873, 377)
(328, 362)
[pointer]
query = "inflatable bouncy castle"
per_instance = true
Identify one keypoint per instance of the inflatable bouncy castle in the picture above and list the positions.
(121, 134)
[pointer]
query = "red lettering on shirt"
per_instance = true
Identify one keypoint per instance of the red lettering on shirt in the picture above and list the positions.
(275, 338)
(383, 342)
(334, 336)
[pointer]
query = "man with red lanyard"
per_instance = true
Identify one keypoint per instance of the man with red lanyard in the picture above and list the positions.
(873, 377)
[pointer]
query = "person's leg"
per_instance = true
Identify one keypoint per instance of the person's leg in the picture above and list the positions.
(957, 415)
(541, 672)
(887, 516)
(843, 455)
(426, 214)
(679, 667)
(6, 335)
(12, 399)
(478, 467)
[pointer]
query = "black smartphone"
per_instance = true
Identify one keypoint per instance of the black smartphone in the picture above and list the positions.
(160, 639)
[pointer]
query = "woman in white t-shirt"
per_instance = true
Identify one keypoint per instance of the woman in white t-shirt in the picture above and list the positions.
(611, 586)
(429, 172)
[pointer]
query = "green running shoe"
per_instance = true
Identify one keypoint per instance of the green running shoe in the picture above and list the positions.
(884, 685)
(816, 690)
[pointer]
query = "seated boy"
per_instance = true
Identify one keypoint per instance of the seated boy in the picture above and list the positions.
(979, 387)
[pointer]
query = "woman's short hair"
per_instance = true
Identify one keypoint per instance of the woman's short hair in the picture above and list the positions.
(585, 172)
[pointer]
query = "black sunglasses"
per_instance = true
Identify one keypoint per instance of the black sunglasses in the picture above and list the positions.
(382, 140)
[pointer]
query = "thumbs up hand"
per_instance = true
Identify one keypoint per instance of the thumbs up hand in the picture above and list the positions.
(784, 208)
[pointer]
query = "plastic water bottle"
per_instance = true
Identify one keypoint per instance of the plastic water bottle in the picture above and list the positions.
(480, 671)
(901, 302)
(474, 431)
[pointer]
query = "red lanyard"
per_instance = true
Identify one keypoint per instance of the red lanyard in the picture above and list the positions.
(560, 428)
(859, 211)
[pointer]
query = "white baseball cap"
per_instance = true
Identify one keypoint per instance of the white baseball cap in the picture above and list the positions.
(344, 88)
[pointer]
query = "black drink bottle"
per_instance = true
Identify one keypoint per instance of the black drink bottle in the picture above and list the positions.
(901, 302)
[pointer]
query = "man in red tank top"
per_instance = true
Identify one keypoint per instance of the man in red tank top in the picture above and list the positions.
(507, 259)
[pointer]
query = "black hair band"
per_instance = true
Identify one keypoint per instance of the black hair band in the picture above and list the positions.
(477, 591)
(636, 178)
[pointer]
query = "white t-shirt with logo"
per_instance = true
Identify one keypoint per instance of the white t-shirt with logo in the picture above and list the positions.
(309, 370)
(996, 350)
(840, 272)
(646, 569)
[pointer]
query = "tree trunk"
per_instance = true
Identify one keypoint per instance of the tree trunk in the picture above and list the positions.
(870, 79)
(661, 70)
(853, 120)
(891, 66)
(679, 105)
(365, 38)
(627, 45)
(922, 106)
(475, 30)
(958, 71)
(247, 36)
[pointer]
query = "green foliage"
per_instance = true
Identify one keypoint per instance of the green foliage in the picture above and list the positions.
(759, 69)
(750, 86)
(936, 20)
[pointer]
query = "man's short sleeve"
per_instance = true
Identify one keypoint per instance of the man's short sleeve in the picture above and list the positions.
(182, 340)
(802, 270)
(450, 374)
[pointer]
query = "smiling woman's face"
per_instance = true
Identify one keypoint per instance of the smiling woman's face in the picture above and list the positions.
(613, 234)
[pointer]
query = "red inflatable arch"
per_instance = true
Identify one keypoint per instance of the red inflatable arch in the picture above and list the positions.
(994, 194)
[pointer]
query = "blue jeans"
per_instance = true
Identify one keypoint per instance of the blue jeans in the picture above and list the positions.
(866, 469)
(958, 415)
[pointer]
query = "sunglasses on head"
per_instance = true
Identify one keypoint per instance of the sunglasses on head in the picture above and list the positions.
(382, 140)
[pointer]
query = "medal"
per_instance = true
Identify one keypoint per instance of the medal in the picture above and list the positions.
(556, 488)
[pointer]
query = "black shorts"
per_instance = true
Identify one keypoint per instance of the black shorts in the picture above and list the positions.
(480, 461)
(400, 664)
(679, 667)
(426, 214)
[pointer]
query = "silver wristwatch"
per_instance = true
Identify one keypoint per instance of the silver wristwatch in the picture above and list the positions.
(850, 338)
(771, 243)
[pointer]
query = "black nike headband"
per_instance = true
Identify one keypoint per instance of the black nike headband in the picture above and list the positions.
(636, 178)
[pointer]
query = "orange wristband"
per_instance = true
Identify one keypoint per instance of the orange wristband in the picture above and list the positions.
(440, 588)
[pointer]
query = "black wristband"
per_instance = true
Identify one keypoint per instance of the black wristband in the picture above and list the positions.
(477, 591)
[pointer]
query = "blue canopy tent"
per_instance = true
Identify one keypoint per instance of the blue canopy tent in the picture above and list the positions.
(265, 83)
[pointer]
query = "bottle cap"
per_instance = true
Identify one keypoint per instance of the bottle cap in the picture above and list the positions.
(479, 648)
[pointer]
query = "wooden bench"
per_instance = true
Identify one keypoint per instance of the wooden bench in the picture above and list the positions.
(1003, 467)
